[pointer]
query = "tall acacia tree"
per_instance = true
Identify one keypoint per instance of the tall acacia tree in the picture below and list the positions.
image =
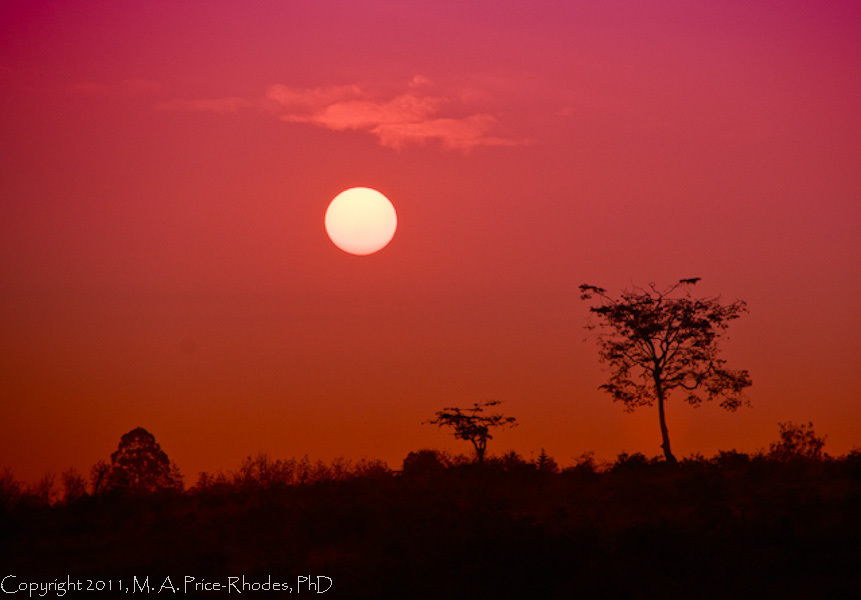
(656, 342)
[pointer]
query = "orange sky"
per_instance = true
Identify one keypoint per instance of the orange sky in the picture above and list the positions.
(166, 169)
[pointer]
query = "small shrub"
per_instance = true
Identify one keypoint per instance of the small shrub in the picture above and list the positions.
(424, 464)
(630, 463)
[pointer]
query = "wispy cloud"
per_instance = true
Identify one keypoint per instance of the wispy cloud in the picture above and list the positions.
(419, 81)
(462, 134)
(358, 114)
(281, 97)
(413, 117)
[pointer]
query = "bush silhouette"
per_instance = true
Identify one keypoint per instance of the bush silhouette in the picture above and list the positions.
(424, 464)
(797, 442)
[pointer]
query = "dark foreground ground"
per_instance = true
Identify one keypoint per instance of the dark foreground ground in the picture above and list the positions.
(729, 527)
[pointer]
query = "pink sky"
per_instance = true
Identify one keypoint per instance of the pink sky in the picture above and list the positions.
(166, 169)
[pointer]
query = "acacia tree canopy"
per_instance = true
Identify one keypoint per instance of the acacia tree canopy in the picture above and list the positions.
(655, 342)
(472, 425)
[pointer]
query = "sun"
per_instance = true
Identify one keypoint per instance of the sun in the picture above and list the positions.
(361, 221)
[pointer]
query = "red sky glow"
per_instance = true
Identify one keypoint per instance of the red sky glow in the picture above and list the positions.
(166, 169)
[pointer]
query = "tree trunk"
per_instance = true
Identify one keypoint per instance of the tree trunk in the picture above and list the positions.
(480, 446)
(665, 436)
(101, 472)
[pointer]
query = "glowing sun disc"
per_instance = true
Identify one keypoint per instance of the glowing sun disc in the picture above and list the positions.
(361, 221)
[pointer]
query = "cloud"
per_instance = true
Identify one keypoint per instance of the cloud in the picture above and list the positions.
(413, 117)
(293, 99)
(419, 81)
(463, 134)
(367, 115)
(409, 118)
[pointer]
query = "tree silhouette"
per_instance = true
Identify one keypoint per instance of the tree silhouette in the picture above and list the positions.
(655, 343)
(74, 486)
(471, 425)
(140, 465)
(797, 442)
(545, 463)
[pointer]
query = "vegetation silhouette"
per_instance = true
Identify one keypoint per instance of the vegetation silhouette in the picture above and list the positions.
(74, 486)
(797, 442)
(139, 465)
(472, 425)
(734, 525)
(655, 343)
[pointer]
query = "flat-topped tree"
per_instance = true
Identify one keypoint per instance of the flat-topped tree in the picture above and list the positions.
(656, 342)
(472, 425)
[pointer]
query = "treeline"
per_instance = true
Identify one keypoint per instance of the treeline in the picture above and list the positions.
(783, 522)
(140, 466)
(259, 472)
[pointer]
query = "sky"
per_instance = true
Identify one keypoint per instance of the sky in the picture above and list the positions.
(166, 168)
